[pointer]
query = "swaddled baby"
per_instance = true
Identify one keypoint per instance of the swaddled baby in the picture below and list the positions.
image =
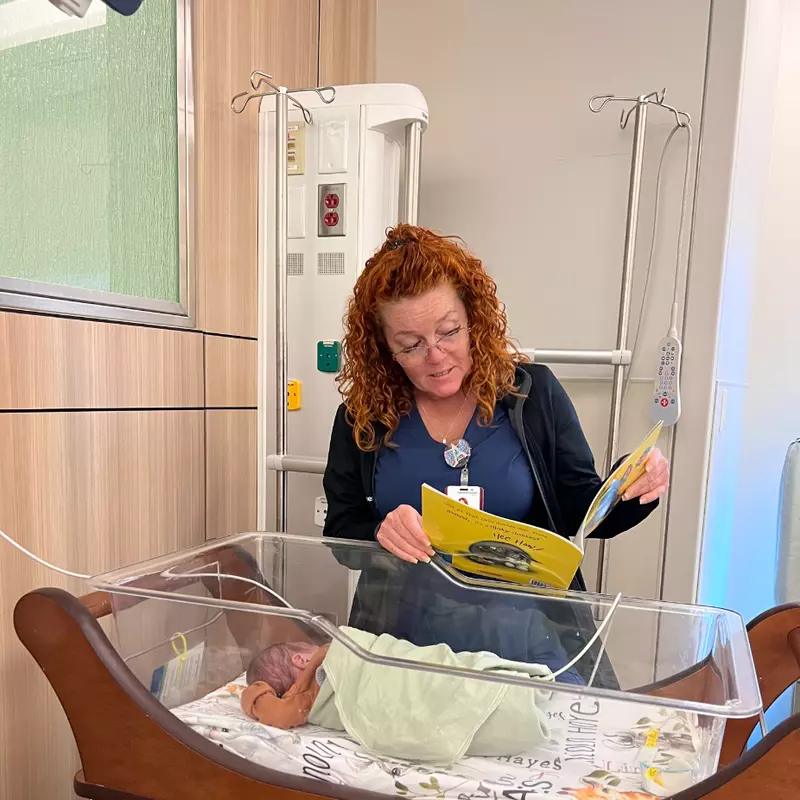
(407, 713)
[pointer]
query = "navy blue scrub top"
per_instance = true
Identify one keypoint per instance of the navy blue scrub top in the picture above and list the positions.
(498, 465)
(432, 611)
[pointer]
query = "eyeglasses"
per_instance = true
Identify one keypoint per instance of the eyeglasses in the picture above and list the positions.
(447, 342)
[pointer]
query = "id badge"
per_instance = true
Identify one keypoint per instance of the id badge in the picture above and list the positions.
(469, 495)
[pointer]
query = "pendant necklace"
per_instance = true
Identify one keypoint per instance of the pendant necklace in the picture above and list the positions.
(456, 454)
(455, 419)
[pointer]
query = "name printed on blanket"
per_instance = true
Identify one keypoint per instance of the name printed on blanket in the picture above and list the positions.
(531, 788)
(318, 758)
(319, 754)
(582, 728)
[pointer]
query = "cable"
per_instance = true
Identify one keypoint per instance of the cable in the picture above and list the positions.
(651, 254)
(653, 240)
(679, 247)
(599, 656)
(167, 573)
(591, 641)
(196, 628)
(42, 561)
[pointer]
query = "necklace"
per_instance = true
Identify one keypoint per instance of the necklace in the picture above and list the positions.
(455, 419)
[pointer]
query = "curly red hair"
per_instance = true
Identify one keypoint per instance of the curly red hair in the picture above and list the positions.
(410, 262)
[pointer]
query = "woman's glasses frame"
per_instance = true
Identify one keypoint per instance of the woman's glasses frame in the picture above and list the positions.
(419, 352)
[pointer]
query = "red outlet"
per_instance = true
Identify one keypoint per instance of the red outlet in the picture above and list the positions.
(331, 219)
(331, 200)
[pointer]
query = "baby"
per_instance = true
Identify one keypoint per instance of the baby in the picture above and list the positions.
(281, 688)
(281, 665)
(407, 713)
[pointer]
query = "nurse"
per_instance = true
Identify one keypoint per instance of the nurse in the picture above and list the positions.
(434, 392)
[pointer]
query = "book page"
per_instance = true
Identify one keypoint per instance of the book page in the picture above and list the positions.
(620, 480)
(482, 544)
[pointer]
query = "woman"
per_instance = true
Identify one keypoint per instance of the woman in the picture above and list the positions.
(427, 363)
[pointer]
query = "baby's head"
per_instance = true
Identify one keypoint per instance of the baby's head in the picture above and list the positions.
(280, 665)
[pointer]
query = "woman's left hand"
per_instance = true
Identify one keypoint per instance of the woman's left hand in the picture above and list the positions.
(655, 481)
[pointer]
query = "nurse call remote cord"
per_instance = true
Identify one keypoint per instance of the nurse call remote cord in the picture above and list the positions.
(666, 404)
(667, 382)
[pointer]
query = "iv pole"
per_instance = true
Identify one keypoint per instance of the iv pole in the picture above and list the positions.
(283, 97)
(639, 111)
(281, 343)
(631, 224)
(620, 357)
(279, 461)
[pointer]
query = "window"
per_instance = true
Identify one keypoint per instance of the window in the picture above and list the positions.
(96, 137)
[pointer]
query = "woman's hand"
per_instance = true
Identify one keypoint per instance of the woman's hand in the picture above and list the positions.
(654, 482)
(401, 533)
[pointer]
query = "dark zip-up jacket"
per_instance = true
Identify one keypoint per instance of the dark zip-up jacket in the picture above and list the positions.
(560, 459)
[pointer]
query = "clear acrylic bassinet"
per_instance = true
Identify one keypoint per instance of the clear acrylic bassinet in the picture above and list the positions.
(644, 704)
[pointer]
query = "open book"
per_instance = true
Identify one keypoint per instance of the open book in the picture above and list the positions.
(482, 544)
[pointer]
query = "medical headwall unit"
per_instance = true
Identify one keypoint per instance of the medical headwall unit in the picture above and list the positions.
(352, 161)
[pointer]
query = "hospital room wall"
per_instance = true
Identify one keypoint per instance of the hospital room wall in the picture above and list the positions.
(771, 420)
(515, 163)
(120, 442)
(757, 127)
(758, 337)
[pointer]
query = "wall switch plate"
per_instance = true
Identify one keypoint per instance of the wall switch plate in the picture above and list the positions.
(328, 356)
(294, 395)
(320, 511)
(332, 149)
(296, 147)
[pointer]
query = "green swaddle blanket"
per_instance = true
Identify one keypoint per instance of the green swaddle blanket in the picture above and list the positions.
(417, 715)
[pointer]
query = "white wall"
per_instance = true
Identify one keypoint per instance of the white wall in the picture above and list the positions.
(771, 417)
(740, 319)
(516, 164)
(759, 334)
(691, 486)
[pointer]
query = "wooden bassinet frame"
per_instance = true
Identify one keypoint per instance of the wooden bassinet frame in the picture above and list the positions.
(132, 748)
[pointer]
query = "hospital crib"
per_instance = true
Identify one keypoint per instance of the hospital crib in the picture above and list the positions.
(149, 670)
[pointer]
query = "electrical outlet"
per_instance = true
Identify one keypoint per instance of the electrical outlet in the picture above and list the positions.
(331, 213)
(320, 511)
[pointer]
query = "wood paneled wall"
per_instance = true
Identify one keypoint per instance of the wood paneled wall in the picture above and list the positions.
(347, 41)
(53, 363)
(231, 372)
(120, 442)
(235, 37)
(230, 471)
(87, 491)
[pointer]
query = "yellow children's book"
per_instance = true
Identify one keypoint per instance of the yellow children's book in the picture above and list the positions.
(482, 544)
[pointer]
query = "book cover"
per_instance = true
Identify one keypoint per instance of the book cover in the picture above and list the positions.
(482, 544)
(617, 483)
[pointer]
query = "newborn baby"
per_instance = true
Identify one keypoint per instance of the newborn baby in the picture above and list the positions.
(281, 687)
(406, 713)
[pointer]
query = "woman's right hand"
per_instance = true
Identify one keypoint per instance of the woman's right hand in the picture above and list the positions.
(401, 533)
